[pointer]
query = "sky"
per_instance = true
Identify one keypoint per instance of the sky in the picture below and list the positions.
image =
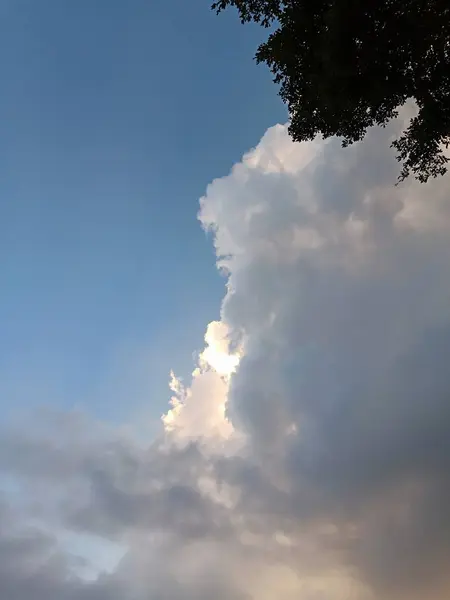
(224, 354)
(111, 112)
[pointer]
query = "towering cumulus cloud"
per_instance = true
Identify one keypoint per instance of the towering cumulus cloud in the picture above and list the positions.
(309, 456)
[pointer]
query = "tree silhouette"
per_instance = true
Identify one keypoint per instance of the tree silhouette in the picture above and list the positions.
(346, 65)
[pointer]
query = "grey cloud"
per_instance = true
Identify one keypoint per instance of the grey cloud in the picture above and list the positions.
(178, 508)
(105, 483)
(32, 566)
(109, 486)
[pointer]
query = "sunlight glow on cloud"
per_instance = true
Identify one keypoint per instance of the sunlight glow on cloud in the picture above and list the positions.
(217, 352)
(199, 411)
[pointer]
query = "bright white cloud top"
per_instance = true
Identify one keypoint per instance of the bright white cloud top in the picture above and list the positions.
(309, 456)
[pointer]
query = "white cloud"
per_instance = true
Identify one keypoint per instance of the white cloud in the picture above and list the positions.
(309, 455)
(198, 412)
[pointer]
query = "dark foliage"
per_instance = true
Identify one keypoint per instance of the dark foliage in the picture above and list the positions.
(346, 65)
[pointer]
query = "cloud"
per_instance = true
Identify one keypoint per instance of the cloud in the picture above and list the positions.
(339, 284)
(309, 456)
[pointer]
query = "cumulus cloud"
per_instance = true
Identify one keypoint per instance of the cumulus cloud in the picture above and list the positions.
(309, 455)
(340, 284)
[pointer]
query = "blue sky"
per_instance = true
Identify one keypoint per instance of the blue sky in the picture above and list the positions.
(115, 115)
